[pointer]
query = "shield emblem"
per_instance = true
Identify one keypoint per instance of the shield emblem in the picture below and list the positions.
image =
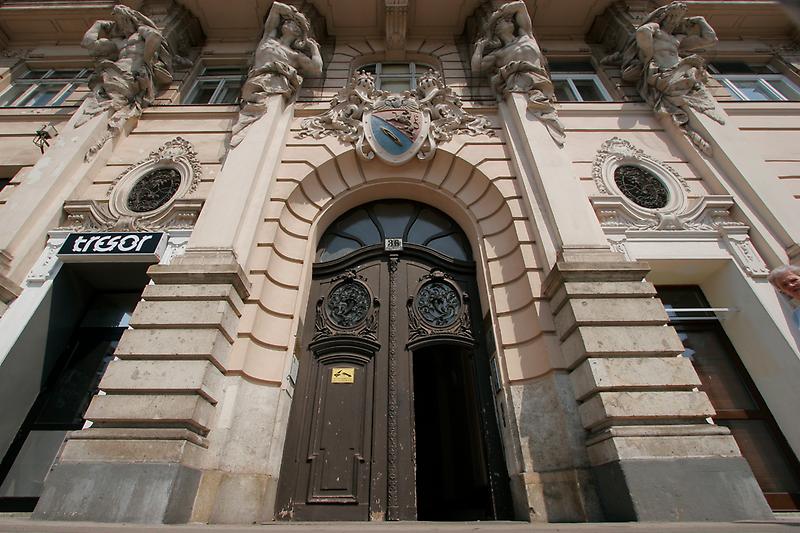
(396, 129)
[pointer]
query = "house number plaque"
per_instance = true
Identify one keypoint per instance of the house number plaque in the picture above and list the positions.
(343, 375)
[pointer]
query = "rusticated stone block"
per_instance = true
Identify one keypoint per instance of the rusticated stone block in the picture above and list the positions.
(609, 312)
(179, 410)
(605, 374)
(194, 293)
(601, 289)
(199, 377)
(179, 343)
(187, 314)
(607, 407)
(620, 341)
(660, 446)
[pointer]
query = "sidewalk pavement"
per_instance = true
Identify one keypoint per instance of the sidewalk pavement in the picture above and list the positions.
(23, 524)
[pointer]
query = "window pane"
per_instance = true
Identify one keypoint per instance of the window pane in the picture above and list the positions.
(334, 246)
(563, 91)
(67, 400)
(753, 90)
(12, 94)
(450, 245)
(395, 86)
(571, 66)
(203, 92)
(428, 224)
(785, 89)
(368, 68)
(721, 378)
(42, 96)
(394, 68)
(769, 463)
(359, 225)
(421, 69)
(588, 90)
(230, 92)
(26, 477)
(64, 74)
(223, 71)
(733, 67)
(394, 217)
(34, 74)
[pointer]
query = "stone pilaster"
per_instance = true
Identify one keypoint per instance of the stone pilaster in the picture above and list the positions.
(653, 452)
(145, 447)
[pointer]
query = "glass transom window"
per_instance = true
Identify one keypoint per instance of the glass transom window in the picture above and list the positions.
(415, 223)
(42, 88)
(576, 81)
(754, 82)
(396, 77)
(216, 85)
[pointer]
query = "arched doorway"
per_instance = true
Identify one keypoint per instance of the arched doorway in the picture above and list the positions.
(392, 416)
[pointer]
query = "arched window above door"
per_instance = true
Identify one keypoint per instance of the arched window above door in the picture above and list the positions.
(413, 222)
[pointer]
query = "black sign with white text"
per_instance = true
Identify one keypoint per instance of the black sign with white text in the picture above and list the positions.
(93, 247)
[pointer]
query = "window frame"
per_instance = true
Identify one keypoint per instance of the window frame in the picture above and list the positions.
(34, 84)
(569, 76)
(221, 80)
(728, 81)
(412, 72)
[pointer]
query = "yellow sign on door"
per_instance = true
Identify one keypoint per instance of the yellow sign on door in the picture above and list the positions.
(343, 375)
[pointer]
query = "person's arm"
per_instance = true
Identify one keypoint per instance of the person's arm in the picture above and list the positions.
(699, 34)
(521, 16)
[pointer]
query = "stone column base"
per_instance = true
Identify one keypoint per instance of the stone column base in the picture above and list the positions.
(119, 492)
(685, 489)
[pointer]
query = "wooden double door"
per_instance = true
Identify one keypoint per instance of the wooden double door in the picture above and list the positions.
(392, 415)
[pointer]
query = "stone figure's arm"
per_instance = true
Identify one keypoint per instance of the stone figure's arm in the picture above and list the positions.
(699, 33)
(518, 10)
(310, 65)
(92, 40)
(272, 25)
(481, 63)
(644, 40)
(152, 40)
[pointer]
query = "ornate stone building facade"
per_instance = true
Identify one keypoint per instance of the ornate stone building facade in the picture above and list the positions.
(398, 260)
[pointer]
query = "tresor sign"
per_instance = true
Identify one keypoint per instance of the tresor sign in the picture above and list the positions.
(84, 247)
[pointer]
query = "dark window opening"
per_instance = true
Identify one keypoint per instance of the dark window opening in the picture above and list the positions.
(733, 394)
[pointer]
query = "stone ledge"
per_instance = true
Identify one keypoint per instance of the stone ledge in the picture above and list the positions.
(195, 293)
(634, 373)
(170, 377)
(593, 271)
(609, 408)
(202, 274)
(179, 410)
(620, 341)
(164, 434)
(175, 344)
(662, 446)
(601, 289)
(609, 312)
(217, 315)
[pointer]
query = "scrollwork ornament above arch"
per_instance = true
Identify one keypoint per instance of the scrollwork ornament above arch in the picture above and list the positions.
(170, 209)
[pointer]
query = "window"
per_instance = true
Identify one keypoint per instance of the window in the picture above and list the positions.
(576, 81)
(396, 77)
(216, 85)
(40, 88)
(736, 400)
(754, 82)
